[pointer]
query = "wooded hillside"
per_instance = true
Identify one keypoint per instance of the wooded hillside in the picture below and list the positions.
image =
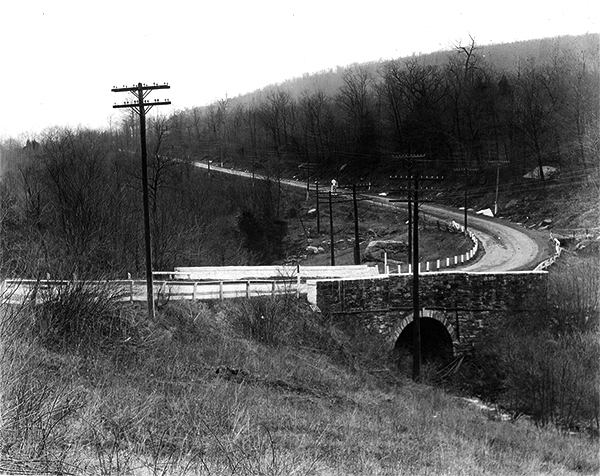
(71, 200)
(529, 103)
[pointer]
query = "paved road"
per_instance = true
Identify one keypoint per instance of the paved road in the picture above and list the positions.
(507, 247)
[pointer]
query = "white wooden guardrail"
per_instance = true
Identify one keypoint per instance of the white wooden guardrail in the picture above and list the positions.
(198, 283)
(448, 262)
(237, 273)
(550, 261)
(16, 291)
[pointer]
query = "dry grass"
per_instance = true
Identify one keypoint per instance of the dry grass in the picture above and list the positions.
(196, 393)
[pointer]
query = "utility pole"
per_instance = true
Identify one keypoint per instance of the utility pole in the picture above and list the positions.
(331, 231)
(407, 162)
(334, 198)
(355, 201)
(410, 220)
(497, 186)
(141, 106)
(356, 238)
(318, 210)
(307, 181)
(466, 170)
(413, 190)
(498, 164)
(416, 370)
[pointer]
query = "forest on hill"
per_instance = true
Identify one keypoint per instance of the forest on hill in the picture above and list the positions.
(71, 198)
(529, 103)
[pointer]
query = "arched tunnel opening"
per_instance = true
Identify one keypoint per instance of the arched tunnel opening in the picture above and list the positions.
(436, 343)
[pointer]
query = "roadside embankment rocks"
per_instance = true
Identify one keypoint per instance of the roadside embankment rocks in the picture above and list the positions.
(394, 250)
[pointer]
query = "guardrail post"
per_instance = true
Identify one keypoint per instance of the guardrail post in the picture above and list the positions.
(427, 266)
(437, 265)
(221, 290)
(131, 290)
(447, 262)
(194, 291)
(247, 289)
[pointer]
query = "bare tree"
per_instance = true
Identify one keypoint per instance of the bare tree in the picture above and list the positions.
(355, 97)
(537, 110)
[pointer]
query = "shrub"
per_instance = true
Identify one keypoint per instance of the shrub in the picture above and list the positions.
(273, 320)
(37, 406)
(80, 314)
(573, 297)
(556, 380)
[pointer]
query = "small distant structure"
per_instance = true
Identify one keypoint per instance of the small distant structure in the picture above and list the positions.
(486, 212)
(535, 173)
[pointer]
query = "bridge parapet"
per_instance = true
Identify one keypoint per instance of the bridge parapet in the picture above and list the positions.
(268, 272)
(478, 290)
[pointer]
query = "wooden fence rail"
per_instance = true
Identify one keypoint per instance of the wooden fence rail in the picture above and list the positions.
(22, 290)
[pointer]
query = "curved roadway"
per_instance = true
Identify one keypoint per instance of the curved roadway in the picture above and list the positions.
(507, 247)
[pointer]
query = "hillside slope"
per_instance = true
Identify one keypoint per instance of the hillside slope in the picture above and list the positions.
(249, 387)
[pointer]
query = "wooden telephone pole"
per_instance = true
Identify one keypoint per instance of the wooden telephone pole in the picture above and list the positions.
(408, 161)
(415, 187)
(467, 171)
(332, 198)
(141, 106)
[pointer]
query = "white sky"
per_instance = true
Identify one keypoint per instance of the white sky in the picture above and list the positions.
(60, 58)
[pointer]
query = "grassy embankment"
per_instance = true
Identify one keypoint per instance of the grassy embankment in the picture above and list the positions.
(260, 387)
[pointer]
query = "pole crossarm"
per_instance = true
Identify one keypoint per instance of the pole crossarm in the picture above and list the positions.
(408, 156)
(407, 189)
(135, 88)
(140, 92)
(408, 161)
(144, 103)
(420, 177)
(467, 169)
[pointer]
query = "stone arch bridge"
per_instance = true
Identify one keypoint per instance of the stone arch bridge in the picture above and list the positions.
(455, 307)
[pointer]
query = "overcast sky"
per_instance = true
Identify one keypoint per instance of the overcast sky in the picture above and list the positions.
(61, 58)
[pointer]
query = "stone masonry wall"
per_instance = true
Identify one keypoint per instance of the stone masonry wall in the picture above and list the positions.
(472, 301)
